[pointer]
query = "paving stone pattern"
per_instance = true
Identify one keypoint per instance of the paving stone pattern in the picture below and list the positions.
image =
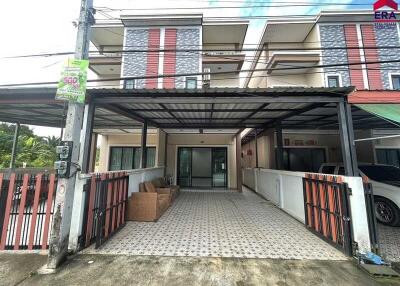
(221, 224)
(389, 242)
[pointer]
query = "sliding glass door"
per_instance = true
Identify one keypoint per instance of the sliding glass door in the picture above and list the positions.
(202, 167)
(219, 165)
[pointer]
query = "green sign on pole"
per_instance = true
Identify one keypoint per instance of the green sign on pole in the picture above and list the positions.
(72, 86)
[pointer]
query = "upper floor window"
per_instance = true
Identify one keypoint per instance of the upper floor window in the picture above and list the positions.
(191, 82)
(396, 81)
(129, 84)
(333, 80)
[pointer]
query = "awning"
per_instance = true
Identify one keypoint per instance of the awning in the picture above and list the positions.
(386, 111)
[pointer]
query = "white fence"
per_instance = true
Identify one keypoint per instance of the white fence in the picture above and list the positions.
(285, 190)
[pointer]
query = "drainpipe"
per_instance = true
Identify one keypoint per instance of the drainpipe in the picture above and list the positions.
(255, 139)
(279, 147)
(143, 146)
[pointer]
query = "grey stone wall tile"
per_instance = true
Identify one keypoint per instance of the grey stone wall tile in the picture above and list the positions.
(333, 36)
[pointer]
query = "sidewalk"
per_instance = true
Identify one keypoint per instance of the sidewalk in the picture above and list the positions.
(154, 270)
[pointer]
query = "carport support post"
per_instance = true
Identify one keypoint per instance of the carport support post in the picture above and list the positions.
(14, 146)
(239, 162)
(84, 161)
(61, 222)
(256, 147)
(347, 139)
(86, 137)
(143, 146)
(93, 152)
(279, 147)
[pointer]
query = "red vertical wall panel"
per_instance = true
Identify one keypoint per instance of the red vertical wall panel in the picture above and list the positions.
(152, 57)
(169, 66)
(371, 55)
(353, 55)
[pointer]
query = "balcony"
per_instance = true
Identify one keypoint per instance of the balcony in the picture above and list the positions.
(293, 62)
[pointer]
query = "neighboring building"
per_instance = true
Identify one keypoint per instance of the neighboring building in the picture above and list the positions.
(303, 52)
(156, 45)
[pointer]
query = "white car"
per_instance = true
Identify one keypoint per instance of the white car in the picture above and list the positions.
(385, 182)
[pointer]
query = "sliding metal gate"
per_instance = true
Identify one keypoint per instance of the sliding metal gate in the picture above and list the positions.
(106, 198)
(327, 210)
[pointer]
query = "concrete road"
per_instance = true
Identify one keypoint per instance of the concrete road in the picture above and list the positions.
(153, 270)
(16, 267)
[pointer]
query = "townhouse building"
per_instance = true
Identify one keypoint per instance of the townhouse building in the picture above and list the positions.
(308, 52)
(156, 46)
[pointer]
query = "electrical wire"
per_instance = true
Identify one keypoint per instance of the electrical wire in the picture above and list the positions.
(188, 50)
(212, 73)
(280, 5)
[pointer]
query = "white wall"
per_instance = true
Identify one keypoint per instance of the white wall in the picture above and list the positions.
(138, 176)
(285, 190)
(359, 217)
(225, 80)
(249, 178)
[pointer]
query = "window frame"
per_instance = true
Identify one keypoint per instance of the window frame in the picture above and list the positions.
(189, 79)
(133, 157)
(126, 83)
(338, 75)
(391, 76)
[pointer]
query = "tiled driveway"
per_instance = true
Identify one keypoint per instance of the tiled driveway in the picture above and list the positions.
(221, 224)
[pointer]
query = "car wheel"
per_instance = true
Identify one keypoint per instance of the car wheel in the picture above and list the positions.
(386, 212)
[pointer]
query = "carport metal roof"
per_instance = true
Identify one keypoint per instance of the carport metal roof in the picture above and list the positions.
(179, 109)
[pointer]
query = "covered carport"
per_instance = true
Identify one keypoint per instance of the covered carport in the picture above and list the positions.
(200, 110)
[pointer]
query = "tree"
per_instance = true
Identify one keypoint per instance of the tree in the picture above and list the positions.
(35, 151)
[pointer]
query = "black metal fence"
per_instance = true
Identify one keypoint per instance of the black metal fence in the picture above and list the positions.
(106, 197)
(327, 210)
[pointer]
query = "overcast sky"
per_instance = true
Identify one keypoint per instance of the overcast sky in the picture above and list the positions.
(42, 26)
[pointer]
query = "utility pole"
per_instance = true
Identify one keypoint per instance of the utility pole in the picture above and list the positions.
(58, 245)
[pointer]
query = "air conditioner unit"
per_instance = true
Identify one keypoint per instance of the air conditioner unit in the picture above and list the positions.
(206, 77)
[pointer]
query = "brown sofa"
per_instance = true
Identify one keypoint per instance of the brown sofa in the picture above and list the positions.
(147, 206)
(161, 183)
(151, 188)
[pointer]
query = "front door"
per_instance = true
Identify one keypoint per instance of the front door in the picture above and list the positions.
(202, 167)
